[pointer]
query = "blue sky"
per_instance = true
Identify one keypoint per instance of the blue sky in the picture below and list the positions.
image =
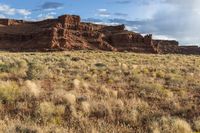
(165, 19)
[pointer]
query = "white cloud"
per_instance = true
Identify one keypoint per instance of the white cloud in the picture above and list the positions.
(163, 37)
(170, 19)
(103, 13)
(102, 10)
(106, 23)
(7, 10)
(49, 15)
(132, 28)
(23, 12)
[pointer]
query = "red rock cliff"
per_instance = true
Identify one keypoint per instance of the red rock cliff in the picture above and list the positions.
(69, 33)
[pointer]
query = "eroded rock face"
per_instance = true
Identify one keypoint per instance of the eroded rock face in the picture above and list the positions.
(9, 22)
(190, 50)
(67, 32)
(166, 46)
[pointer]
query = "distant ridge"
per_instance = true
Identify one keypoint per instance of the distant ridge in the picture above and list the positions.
(67, 32)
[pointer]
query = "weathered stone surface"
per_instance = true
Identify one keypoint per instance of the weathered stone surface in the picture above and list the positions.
(67, 32)
(166, 46)
(8, 22)
(189, 50)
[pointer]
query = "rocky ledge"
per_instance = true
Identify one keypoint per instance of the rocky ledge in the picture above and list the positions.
(67, 32)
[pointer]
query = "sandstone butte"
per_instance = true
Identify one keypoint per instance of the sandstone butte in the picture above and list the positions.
(67, 32)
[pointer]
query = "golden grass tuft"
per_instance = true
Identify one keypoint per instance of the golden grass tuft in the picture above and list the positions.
(70, 98)
(85, 107)
(32, 88)
(9, 91)
(181, 126)
(197, 124)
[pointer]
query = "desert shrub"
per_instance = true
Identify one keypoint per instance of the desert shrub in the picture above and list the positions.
(133, 114)
(86, 107)
(69, 98)
(16, 67)
(197, 124)
(60, 110)
(100, 110)
(170, 125)
(113, 93)
(181, 126)
(58, 115)
(3, 67)
(145, 70)
(9, 91)
(76, 59)
(38, 71)
(46, 111)
(100, 65)
(70, 113)
(174, 81)
(76, 83)
(24, 129)
(31, 89)
(160, 74)
(103, 90)
(20, 68)
(155, 90)
(4, 128)
(51, 113)
(61, 96)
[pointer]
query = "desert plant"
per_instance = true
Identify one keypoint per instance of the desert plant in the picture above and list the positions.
(38, 71)
(170, 125)
(9, 91)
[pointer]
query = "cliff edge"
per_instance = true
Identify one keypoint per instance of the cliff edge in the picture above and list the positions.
(67, 32)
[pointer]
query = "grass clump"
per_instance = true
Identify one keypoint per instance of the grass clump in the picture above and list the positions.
(170, 125)
(37, 71)
(46, 111)
(32, 89)
(9, 92)
(197, 124)
(155, 90)
(16, 68)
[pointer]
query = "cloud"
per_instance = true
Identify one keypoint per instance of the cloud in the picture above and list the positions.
(118, 14)
(170, 19)
(123, 2)
(7, 10)
(51, 5)
(49, 15)
(179, 20)
(23, 12)
(94, 20)
(103, 13)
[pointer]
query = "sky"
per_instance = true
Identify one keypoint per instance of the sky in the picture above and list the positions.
(165, 19)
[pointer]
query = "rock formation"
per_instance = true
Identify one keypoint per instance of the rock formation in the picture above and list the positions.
(67, 32)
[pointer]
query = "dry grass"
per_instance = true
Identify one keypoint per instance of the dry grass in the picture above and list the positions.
(87, 91)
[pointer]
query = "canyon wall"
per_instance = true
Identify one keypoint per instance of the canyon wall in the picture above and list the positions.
(67, 32)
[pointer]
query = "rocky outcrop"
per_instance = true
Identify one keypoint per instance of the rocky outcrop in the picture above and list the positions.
(67, 32)
(9, 22)
(190, 50)
(166, 46)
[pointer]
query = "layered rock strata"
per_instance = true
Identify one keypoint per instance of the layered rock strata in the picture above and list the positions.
(67, 32)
